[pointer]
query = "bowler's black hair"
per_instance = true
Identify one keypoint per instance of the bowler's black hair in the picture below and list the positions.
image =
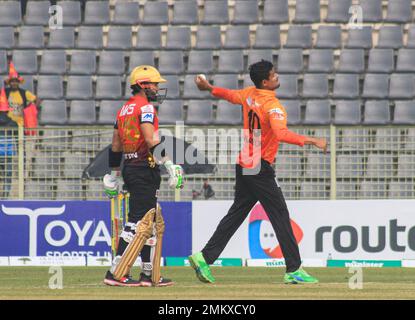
(260, 71)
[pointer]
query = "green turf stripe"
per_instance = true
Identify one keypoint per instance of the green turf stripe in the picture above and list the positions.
(222, 262)
(364, 263)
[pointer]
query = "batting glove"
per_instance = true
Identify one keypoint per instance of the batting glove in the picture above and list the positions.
(176, 174)
(113, 183)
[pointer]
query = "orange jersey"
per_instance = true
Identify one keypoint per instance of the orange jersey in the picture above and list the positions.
(264, 123)
(135, 111)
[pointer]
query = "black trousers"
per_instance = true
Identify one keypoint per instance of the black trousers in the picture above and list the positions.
(249, 189)
(143, 184)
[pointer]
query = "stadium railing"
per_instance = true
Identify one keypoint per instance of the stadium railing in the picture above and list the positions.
(363, 162)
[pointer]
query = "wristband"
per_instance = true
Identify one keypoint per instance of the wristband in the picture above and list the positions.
(114, 158)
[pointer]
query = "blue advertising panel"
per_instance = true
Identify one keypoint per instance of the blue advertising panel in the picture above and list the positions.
(79, 228)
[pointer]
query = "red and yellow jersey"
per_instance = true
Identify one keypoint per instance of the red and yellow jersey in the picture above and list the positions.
(135, 111)
(264, 123)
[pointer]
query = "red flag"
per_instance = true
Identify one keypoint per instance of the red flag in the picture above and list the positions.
(4, 103)
(30, 119)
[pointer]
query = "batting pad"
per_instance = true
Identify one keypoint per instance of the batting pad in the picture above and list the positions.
(143, 233)
(159, 228)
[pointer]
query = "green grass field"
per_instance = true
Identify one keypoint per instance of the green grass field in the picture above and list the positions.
(232, 283)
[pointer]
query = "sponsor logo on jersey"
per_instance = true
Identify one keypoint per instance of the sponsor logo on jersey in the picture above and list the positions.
(147, 108)
(277, 113)
(147, 117)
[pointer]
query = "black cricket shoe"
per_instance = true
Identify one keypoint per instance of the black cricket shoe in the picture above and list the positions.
(123, 282)
(145, 281)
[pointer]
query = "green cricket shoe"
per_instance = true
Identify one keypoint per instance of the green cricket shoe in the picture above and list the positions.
(198, 263)
(299, 276)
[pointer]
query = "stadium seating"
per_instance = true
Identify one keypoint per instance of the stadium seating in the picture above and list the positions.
(231, 61)
(3, 62)
(330, 73)
(37, 13)
(10, 13)
(171, 111)
(185, 12)
(275, 11)
(338, 11)
(25, 60)
(290, 61)
(246, 12)
(178, 38)
(111, 63)
(208, 37)
(6, 37)
(288, 86)
(406, 60)
(79, 87)
(346, 86)
(377, 112)
(108, 87)
(126, 13)
(50, 87)
(317, 112)
(402, 86)
(360, 38)
(72, 9)
(328, 37)
(237, 37)
(293, 109)
(267, 37)
(53, 112)
(216, 12)
(348, 112)
(82, 112)
(352, 61)
(199, 112)
(149, 38)
(171, 62)
(138, 58)
(225, 81)
(83, 63)
(200, 62)
(173, 87)
(372, 10)
(321, 61)
(53, 62)
(108, 110)
(97, 13)
(90, 37)
(307, 11)
(62, 38)
(299, 37)
(399, 11)
(31, 37)
(119, 38)
(228, 114)
(404, 112)
(155, 12)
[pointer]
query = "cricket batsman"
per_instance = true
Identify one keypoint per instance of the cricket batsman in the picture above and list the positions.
(136, 138)
(265, 127)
